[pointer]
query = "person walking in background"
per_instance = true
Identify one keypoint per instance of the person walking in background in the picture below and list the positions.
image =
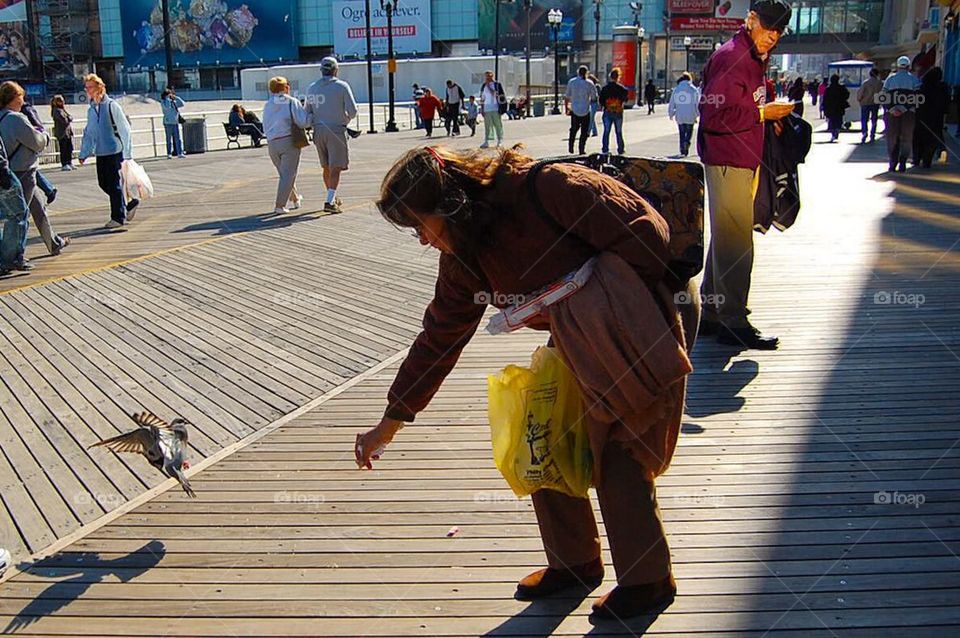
(595, 104)
(493, 104)
(650, 95)
(581, 93)
(331, 107)
(452, 108)
(283, 114)
(869, 109)
(107, 136)
(171, 105)
(428, 105)
(13, 217)
(417, 94)
(44, 184)
(473, 111)
(835, 104)
(931, 116)
(899, 99)
(25, 144)
(795, 94)
(612, 98)
(814, 89)
(63, 132)
(821, 91)
(684, 107)
(730, 141)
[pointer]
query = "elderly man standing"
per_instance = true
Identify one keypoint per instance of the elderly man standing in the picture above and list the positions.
(581, 93)
(730, 142)
(899, 98)
(330, 107)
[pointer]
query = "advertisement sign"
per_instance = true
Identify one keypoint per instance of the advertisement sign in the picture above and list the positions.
(411, 27)
(209, 31)
(625, 59)
(692, 6)
(14, 45)
(723, 15)
(513, 24)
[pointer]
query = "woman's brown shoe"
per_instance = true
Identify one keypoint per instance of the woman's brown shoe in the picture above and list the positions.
(635, 600)
(549, 581)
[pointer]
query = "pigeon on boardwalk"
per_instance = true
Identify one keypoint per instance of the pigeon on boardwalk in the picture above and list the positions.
(160, 442)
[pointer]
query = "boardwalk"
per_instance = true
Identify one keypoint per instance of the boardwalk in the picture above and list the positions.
(815, 491)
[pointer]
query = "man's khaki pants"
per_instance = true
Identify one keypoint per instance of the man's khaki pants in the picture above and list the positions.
(729, 263)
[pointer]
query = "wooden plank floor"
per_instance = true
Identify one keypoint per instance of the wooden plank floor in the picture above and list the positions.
(815, 492)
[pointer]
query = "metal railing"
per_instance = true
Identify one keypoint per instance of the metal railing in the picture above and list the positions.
(149, 135)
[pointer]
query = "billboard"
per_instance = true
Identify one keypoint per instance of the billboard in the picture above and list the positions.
(14, 42)
(411, 27)
(209, 31)
(513, 24)
(723, 15)
(692, 6)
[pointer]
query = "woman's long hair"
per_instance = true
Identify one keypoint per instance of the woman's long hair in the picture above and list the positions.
(437, 181)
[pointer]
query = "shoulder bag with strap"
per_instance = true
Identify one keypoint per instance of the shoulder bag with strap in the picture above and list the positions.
(176, 108)
(113, 123)
(297, 134)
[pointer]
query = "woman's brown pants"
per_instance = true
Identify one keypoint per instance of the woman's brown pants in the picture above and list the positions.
(630, 514)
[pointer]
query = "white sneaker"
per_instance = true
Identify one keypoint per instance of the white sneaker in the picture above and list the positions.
(295, 204)
(169, 156)
(5, 560)
(66, 168)
(112, 224)
(182, 156)
(280, 210)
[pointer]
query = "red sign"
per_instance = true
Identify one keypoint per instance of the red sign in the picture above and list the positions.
(399, 30)
(625, 59)
(691, 6)
(706, 23)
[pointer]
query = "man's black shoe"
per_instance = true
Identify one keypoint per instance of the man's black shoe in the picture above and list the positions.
(708, 328)
(52, 196)
(902, 168)
(23, 266)
(748, 337)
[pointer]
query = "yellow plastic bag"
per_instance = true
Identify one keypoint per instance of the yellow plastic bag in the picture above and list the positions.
(536, 422)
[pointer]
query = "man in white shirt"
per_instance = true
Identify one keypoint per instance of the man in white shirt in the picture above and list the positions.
(581, 92)
(900, 98)
(452, 108)
(493, 104)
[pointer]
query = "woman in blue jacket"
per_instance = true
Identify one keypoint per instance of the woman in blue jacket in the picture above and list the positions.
(171, 105)
(107, 136)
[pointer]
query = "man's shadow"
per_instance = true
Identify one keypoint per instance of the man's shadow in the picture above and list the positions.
(87, 569)
(540, 618)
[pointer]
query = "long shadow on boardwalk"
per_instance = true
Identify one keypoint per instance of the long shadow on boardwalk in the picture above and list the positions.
(870, 527)
(86, 569)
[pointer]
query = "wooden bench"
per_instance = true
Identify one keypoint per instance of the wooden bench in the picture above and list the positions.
(234, 132)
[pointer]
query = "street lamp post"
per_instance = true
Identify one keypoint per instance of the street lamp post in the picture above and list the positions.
(528, 5)
(389, 6)
(369, 67)
(687, 43)
(637, 8)
(596, 17)
(555, 19)
(167, 49)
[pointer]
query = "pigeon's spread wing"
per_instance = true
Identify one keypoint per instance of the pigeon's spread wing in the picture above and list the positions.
(149, 420)
(136, 442)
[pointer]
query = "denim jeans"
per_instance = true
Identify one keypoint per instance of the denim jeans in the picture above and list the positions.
(593, 118)
(686, 136)
(613, 121)
(868, 114)
(174, 144)
(44, 184)
(13, 215)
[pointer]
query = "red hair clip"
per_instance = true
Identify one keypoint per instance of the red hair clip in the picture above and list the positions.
(436, 156)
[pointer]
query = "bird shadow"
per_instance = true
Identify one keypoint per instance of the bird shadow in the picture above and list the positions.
(716, 391)
(87, 569)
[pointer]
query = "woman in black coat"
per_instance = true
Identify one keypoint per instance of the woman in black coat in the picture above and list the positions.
(796, 93)
(835, 103)
(931, 113)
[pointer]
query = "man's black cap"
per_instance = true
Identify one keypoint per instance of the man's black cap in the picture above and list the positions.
(773, 14)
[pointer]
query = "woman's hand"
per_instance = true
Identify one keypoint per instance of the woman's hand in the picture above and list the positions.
(370, 445)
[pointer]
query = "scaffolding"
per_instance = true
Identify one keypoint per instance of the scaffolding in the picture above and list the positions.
(67, 41)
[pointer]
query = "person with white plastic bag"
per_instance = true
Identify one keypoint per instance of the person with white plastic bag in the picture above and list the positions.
(24, 145)
(107, 136)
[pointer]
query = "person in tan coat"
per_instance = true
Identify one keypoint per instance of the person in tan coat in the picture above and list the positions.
(620, 335)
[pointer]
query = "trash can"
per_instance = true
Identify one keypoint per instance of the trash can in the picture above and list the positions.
(194, 136)
(539, 108)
